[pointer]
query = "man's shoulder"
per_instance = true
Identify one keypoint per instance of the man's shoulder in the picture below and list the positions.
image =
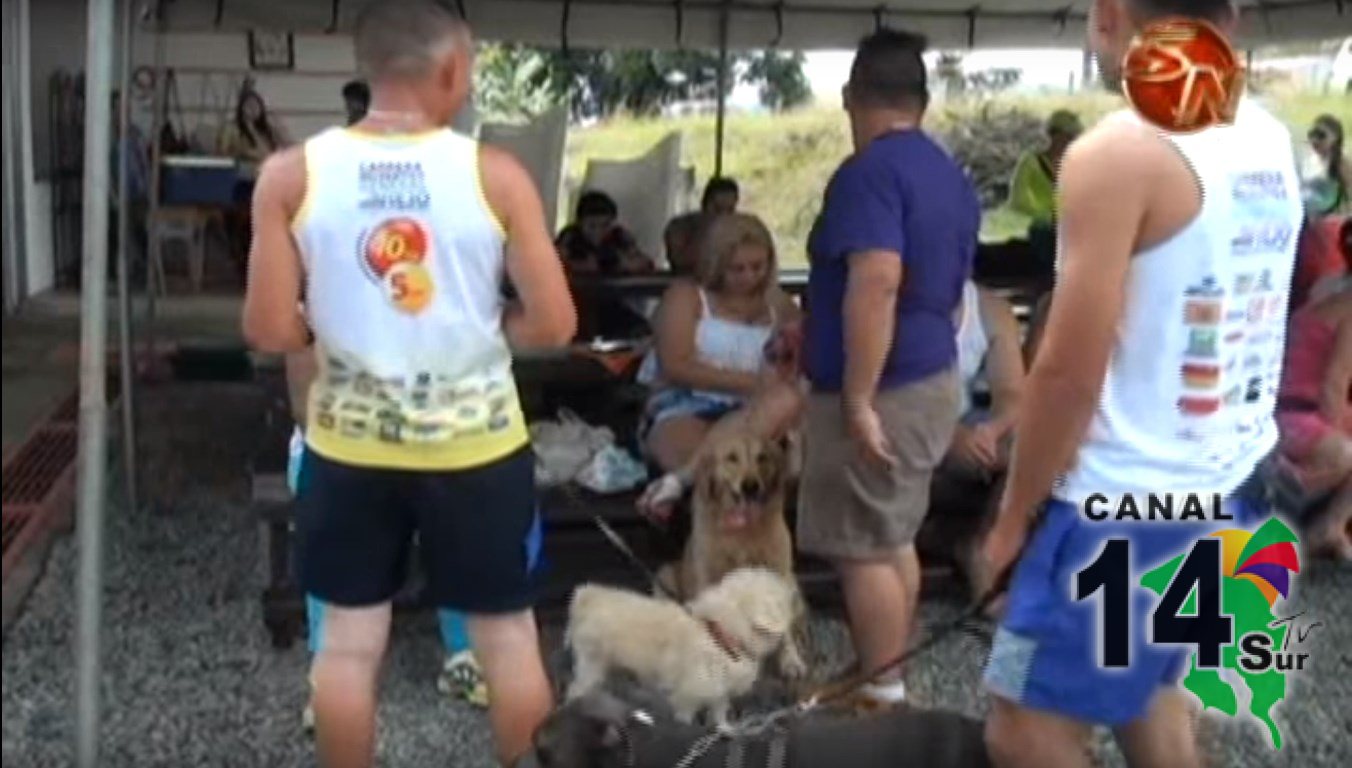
(282, 176)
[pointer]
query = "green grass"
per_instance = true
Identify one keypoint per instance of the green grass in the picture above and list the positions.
(784, 161)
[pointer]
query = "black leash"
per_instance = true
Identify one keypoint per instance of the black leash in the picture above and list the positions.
(619, 543)
(834, 692)
(840, 690)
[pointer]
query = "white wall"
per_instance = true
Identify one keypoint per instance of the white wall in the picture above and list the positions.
(210, 67)
(41, 259)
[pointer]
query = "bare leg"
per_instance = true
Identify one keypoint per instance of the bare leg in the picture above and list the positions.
(1328, 468)
(344, 674)
(1018, 737)
(1165, 738)
(676, 443)
(1333, 529)
(880, 602)
(520, 696)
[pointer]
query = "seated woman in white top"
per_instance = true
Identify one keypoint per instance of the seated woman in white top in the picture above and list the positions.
(708, 370)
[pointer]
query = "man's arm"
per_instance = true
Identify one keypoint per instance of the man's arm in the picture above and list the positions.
(544, 315)
(1103, 204)
(870, 316)
(301, 370)
(272, 319)
(1004, 362)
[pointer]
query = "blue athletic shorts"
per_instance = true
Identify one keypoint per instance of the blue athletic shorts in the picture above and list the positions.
(454, 634)
(1046, 651)
(670, 403)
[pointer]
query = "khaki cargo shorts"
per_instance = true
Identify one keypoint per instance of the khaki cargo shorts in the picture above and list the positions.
(849, 508)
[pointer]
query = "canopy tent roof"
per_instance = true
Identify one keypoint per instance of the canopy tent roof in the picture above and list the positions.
(791, 24)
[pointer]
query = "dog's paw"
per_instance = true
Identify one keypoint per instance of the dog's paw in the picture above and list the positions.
(792, 666)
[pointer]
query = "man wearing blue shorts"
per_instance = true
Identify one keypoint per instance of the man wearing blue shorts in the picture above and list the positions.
(460, 676)
(401, 232)
(1157, 375)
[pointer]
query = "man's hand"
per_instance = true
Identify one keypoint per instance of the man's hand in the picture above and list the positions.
(866, 432)
(977, 447)
(1004, 543)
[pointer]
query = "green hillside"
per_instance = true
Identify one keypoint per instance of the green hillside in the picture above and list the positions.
(784, 160)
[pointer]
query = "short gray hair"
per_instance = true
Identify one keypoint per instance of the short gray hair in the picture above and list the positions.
(400, 38)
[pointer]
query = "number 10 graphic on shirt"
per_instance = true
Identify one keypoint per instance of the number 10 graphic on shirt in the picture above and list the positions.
(394, 255)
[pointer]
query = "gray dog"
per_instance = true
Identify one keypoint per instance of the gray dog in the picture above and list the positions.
(623, 726)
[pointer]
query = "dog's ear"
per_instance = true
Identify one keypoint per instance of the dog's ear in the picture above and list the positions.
(706, 475)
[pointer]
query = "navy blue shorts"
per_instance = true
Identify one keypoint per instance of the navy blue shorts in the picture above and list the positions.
(479, 532)
(1046, 651)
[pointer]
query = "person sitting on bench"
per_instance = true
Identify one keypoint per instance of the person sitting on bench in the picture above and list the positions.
(1314, 413)
(966, 487)
(708, 369)
(682, 235)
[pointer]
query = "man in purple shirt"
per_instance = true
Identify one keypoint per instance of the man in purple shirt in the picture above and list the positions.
(889, 254)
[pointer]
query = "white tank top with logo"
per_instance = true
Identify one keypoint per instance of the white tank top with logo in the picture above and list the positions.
(404, 264)
(1187, 404)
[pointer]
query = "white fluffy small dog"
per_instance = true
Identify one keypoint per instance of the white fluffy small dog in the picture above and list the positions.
(700, 656)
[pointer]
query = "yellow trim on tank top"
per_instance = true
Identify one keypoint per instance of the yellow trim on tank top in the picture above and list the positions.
(483, 194)
(307, 198)
(431, 457)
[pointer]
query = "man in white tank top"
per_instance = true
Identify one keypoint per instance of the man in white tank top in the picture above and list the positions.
(1156, 375)
(402, 232)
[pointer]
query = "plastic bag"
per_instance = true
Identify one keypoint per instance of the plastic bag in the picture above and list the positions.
(564, 447)
(612, 470)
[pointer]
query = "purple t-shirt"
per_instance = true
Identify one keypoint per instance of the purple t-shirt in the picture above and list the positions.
(901, 193)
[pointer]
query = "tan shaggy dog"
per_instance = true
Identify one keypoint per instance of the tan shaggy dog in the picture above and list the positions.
(737, 521)
(699, 656)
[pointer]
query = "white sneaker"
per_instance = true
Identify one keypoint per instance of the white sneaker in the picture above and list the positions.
(886, 694)
(461, 678)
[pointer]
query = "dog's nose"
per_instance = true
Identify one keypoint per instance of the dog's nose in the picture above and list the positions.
(751, 488)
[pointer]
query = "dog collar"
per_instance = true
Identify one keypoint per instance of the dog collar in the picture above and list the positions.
(723, 640)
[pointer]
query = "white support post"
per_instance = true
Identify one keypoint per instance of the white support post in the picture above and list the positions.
(93, 377)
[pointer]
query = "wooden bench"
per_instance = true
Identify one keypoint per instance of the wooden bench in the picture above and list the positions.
(575, 551)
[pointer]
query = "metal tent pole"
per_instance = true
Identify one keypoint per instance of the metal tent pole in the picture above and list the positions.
(723, 19)
(154, 247)
(93, 398)
(126, 346)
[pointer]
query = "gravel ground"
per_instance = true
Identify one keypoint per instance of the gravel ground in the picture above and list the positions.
(191, 680)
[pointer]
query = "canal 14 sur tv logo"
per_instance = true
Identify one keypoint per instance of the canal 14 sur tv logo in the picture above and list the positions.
(1219, 597)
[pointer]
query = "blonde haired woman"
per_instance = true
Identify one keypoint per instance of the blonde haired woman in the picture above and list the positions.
(709, 369)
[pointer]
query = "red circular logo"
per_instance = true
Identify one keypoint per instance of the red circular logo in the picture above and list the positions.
(395, 241)
(1181, 75)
